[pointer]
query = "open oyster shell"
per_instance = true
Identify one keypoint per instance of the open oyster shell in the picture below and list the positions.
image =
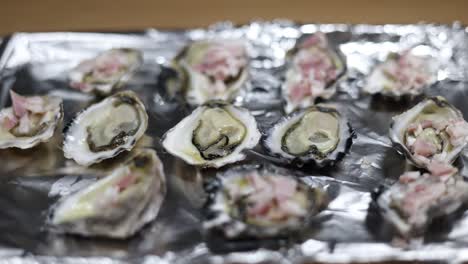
(402, 74)
(418, 198)
(431, 130)
(318, 134)
(259, 203)
(118, 205)
(29, 121)
(213, 69)
(106, 72)
(213, 135)
(314, 69)
(105, 129)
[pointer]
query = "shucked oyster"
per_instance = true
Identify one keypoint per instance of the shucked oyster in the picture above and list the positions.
(401, 74)
(215, 134)
(431, 130)
(30, 121)
(416, 199)
(106, 128)
(318, 133)
(118, 205)
(314, 70)
(261, 204)
(213, 70)
(106, 71)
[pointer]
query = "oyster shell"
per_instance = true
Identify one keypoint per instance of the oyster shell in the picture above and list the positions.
(106, 71)
(106, 128)
(29, 121)
(213, 135)
(401, 74)
(316, 134)
(213, 69)
(314, 70)
(431, 130)
(416, 199)
(118, 205)
(261, 203)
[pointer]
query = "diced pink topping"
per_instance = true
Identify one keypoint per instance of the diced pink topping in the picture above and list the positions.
(19, 104)
(409, 176)
(316, 40)
(441, 169)
(300, 90)
(423, 148)
(223, 60)
(458, 132)
(284, 187)
(125, 182)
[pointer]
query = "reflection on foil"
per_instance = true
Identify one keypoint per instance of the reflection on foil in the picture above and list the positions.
(37, 63)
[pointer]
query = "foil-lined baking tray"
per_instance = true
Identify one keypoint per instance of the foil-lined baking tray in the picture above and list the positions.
(31, 181)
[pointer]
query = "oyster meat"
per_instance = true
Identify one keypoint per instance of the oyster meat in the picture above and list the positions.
(105, 72)
(314, 69)
(215, 134)
(317, 133)
(418, 198)
(118, 205)
(262, 204)
(401, 74)
(106, 128)
(213, 69)
(431, 130)
(29, 121)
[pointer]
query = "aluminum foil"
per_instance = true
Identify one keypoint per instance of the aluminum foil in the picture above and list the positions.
(31, 181)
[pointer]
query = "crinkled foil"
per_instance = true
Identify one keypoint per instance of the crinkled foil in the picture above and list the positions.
(31, 181)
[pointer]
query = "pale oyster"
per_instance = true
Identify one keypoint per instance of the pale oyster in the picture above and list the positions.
(402, 74)
(105, 72)
(105, 129)
(314, 70)
(417, 198)
(213, 69)
(315, 134)
(431, 130)
(261, 203)
(29, 121)
(118, 205)
(213, 135)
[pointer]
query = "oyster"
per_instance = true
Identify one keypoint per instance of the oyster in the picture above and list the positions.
(261, 204)
(401, 74)
(106, 71)
(213, 70)
(118, 205)
(313, 72)
(416, 199)
(29, 121)
(215, 134)
(106, 128)
(431, 130)
(317, 133)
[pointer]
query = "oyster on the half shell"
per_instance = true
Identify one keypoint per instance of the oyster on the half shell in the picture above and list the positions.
(314, 69)
(431, 130)
(213, 135)
(118, 205)
(213, 69)
(106, 72)
(29, 121)
(261, 203)
(402, 74)
(317, 134)
(105, 129)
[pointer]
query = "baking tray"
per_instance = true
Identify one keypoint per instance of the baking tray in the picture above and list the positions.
(31, 181)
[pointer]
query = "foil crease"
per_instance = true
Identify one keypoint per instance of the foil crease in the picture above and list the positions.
(37, 63)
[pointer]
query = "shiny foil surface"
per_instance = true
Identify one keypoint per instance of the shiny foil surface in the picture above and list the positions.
(348, 231)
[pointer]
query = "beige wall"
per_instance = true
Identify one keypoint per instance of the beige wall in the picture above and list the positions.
(50, 15)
